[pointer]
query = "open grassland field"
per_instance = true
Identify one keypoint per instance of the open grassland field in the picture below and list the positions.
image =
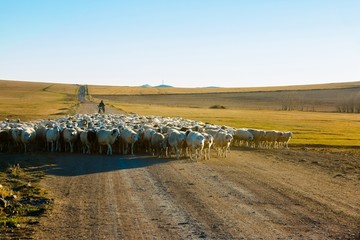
(30, 100)
(313, 119)
(322, 99)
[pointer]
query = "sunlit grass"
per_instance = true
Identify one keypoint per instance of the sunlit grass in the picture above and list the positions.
(309, 128)
(30, 101)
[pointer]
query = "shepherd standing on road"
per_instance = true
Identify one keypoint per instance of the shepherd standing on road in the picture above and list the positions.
(101, 107)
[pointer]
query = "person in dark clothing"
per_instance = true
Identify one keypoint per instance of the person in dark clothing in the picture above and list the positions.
(101, 107)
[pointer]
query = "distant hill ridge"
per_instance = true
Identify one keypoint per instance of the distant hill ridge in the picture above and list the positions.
(169, 86)
(158, 86)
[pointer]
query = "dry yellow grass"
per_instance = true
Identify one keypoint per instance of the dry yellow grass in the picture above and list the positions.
(125, 90)
(30, 101)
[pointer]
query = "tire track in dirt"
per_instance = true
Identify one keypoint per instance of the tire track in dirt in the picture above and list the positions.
(134, 223)
(256, 202)
(293, 195)
(159, 214)
(209, 201)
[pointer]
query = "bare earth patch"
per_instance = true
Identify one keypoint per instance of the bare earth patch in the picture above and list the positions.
(253, 194)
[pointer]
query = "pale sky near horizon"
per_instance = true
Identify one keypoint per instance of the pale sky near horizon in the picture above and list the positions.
(183, 43)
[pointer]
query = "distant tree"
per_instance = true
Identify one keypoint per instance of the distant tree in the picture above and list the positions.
(288, 102)
(351, 104)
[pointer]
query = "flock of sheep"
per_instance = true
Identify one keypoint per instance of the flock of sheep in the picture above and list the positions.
(130, 133)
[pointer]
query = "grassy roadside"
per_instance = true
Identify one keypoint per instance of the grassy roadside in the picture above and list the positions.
(22, 200)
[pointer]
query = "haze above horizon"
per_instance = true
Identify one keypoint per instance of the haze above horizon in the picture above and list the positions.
(199, 43)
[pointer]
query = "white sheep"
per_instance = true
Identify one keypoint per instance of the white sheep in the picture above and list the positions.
(158, 144)
(28, 136)
(70, 136)
(107, 137)
(52, 137)
(195, 142)
(222, 141)
(16, 136)
(258, 136)
(148, 132)
(209, 141)
(271, 138)
(242, 137)
(176, 140)
(128, 137)
(285, 139)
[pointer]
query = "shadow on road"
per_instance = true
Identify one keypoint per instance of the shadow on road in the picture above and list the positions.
(66, 164)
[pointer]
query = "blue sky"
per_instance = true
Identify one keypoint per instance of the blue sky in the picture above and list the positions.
(183, 43)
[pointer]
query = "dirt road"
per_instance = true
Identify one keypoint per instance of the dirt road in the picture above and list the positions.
(253, 194)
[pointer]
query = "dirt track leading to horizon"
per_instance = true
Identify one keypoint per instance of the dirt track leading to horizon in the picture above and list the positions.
(253, 194)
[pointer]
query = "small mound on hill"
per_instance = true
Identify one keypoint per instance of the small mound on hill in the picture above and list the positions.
(217, 107)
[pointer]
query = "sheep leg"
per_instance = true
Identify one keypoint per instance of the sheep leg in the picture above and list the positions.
(177, 153)
(88, 149)
(109, 151)
(191, 153)
(132, 148)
